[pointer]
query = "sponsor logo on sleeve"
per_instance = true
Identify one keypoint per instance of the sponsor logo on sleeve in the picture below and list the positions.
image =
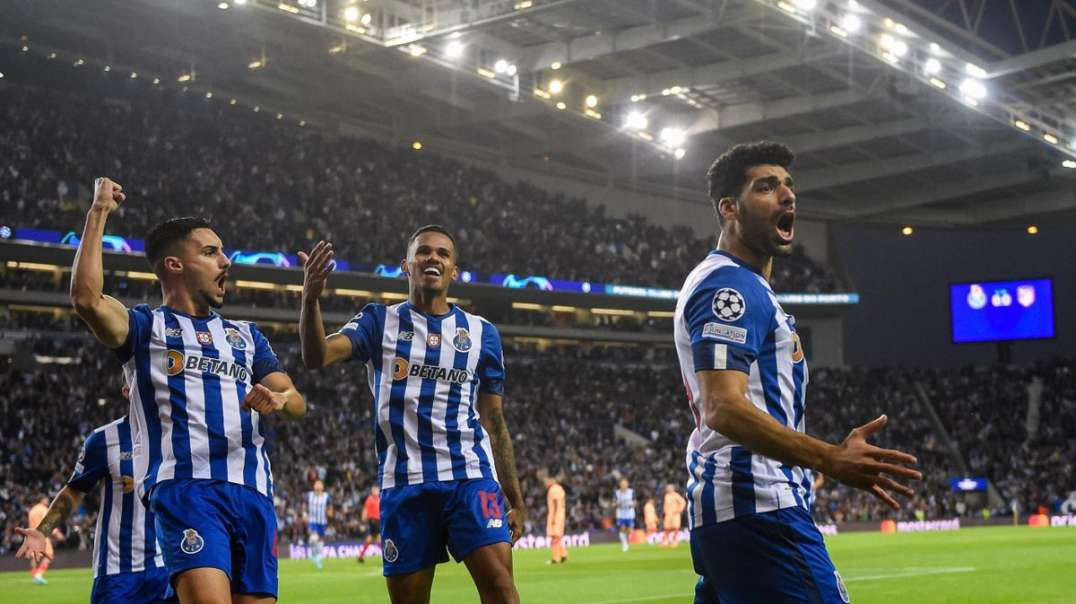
(729, 333)
(729, 304)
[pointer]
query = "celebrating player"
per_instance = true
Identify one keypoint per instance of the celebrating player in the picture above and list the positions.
(554, 522)
(371, 515)
(318, 513)
(752, 538)
(127, 563)
(437, 377)
(39, 559)
(625, 512)
(672, 507)
(200, 386)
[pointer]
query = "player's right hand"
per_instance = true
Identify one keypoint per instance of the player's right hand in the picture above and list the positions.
(316, 268)
(34, 545)
(857, 463)
(107, 194)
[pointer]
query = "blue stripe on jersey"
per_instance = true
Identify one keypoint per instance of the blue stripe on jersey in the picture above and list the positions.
(771, 393)
(424, 411)
(743, 483)
(105, 519)
(214, 411)
(127, 511)
(250, 457)
(479, 435)
(265, 460)
(455, 447)
(397, 401)
(797, 408)
(177, 389)
(709, 509)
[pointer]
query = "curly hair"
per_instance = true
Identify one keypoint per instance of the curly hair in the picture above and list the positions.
(728, 174)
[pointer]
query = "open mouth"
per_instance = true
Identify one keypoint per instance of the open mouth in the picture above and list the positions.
(432, 271)
(220, 282)
(785, 225)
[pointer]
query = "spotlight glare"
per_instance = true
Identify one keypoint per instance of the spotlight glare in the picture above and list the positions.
(223, 6)
(679, 153)
(636, 121)
(851, 23)
(108, 68)
(134, 75)
(556, 86)
(209, 94)
(935, 49)
(932, 66)
(501, 66)
(454, 49)
(591, 101)
(974, 70)
(366, 19)
(1068, 163)
(156, 81)
(907, 231)
(1032, 229)
(512, 69)
(417, 145)
(973, 89)
(674, 137)
(561, 105)
(555, 65)
(1050, 138)
(239, 2)
(351, 14)
(805, 5)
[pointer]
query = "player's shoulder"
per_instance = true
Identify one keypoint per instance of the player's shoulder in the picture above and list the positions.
(102, 430)
(720, 269)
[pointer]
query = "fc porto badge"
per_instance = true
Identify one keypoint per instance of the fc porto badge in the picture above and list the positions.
(390, 553)
(462, 341)
(235, 339)
(192, 542)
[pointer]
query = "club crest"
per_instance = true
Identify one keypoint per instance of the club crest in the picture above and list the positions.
(235, 339)
(192, 542)
(462, 341)
(390, 553)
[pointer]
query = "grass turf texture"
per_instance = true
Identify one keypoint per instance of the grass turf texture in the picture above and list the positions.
(1002, 565)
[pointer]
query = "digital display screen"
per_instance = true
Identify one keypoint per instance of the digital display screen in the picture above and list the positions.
(991, 311)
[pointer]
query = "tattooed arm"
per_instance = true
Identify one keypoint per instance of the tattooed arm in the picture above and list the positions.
(35, 542)
(491, 412)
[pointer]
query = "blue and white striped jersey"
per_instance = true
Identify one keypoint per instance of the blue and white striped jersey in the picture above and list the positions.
(188, 377)
(317, 507)
(728, 318)
(125, 540)
(625, 504)
(425, 373)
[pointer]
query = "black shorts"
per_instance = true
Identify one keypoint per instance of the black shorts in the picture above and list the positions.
(373, 528)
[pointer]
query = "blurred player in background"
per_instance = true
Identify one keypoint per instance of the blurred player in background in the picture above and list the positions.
(748, 458)
(40, 560)
(624, 500)
(318, 513)
(672, 507)
(200, 386)
(554, 521)
(650, 516)
(127, 562)
(371, 516)
(437, 378)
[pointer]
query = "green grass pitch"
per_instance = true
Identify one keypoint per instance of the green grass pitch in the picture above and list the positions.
(1005, 565)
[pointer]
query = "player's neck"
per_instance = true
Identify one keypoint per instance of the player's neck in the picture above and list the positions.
(732, 244)
(181, 300)
(429, 303)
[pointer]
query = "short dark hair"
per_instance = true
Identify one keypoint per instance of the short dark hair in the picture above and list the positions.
(728, 174)
(430, 228)
(162, 238)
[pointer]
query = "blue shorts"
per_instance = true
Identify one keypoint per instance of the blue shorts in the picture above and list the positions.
(214, 524)
(625, 522)
(143, 587)
(419, 521)
(317, 528)
(774, 556)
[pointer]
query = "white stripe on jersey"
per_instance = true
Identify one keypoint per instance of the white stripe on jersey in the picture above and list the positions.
(317, 506)
(714, 496)
(388, 355)
(625, 504)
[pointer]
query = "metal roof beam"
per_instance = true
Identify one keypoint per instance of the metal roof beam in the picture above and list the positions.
(1033, 59)
(827, 178)
(747, 114)
(904, 200)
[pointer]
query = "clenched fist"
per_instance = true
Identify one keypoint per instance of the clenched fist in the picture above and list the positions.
(107, 194)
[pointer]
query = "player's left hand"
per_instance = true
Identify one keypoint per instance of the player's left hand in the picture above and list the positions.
(264, 400)
(34, 545)
(516, 518)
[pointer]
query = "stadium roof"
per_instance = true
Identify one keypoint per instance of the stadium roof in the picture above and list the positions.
(877, 139)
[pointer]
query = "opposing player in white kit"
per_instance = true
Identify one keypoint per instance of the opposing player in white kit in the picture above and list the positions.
(749, 460)
(625, 512)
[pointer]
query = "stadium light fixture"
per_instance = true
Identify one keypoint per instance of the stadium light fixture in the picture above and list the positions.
(1, 75)
(454, 49)
(366, 19)
(851, 23)
(209, 94)
(108, 68)
(351, 14)
(674, 137)
(232, 101)
(805, 5)
(837, 31)
(156, 81)
(555, 65)
(679, 153)
(975, 71)
(556, 86)
(973, 91)
(940, 84)
(79, 62)
(1068, 163)
(256, 64)
(1032, 229)
(280, 116)
(906, 231)
(416, 145)
(257, 109)
(1050, 138)
(935, 49)
(239, 2)
(636, 121)
(308, 3)
(288, 8)
(184, 77)
(591, 101)
(932, 66)
(416, 50)
(501, 66)
(134, 75)
(561, 105)
(1021, 124)
(512, 70)
(223, 6)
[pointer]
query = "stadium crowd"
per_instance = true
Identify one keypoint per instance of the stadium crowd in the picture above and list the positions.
(270, 185)
(562, 405)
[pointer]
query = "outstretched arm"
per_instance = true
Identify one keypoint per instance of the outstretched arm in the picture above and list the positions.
(491, 412)
(35, 539)
(854, 462)
(318, 350)
(106, 316)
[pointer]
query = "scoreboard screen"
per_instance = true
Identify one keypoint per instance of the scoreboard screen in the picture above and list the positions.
(994, 311)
